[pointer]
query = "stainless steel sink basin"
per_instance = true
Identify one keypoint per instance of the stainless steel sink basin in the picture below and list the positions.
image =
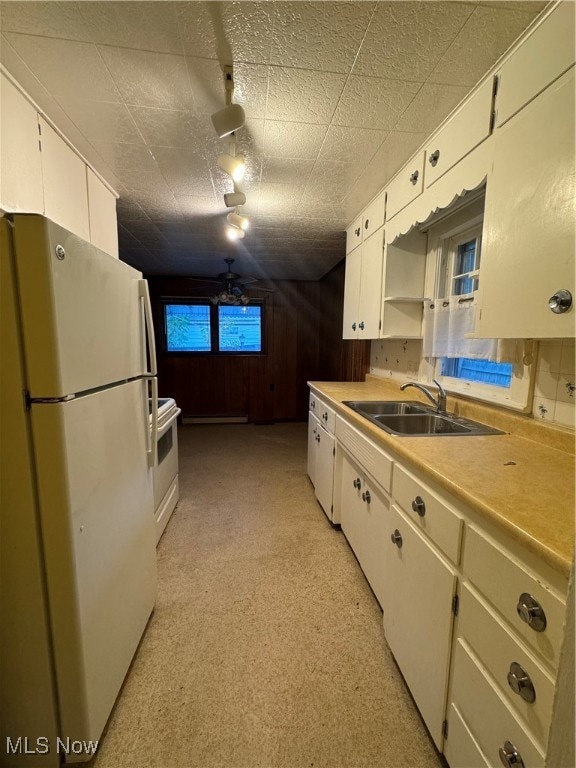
(411, 419)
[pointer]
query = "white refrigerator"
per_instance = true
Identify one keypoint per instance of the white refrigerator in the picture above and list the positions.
(77, 532)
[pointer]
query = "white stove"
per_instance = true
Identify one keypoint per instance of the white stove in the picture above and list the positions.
(166, 491)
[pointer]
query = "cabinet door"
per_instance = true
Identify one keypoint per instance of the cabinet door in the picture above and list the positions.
(376, 512)
(354, 234)
(65, 190)
(102, 212)
(418, 589)
(352, 521)
(325, 470)
(529, 221)
(373, 217)
(21, 181)
(352, 294)
(370, 301)
(313, 427)
(406, 186)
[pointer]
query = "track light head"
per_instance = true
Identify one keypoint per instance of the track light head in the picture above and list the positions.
(233, 233)
(234, 199)
(228, 120)
(233, 165)
(235, 220)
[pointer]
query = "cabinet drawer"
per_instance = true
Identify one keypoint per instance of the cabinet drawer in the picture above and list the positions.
(327, 417)
(502, 580)
(544, 56)
(428, 512)
(405, 187)
(354, 234)
(314, 403)
(460, 747)
(373, 217)
(498, 649)
(465, 130)
(490, 721)
(372, 458)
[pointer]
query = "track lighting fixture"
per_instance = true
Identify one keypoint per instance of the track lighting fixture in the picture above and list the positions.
(235, 220)
(234, 199)
(234, 233)
(234, 166)
(228, 120)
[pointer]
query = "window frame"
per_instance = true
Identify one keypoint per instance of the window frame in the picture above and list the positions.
(457, 228)
(214, 328)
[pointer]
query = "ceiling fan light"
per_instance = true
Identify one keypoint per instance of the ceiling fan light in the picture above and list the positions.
(235, 220)
(234, 199)
(228, 120)
(234, 166)
(234, 233)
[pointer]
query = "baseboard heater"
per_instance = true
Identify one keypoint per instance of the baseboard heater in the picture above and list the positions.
(214, 419)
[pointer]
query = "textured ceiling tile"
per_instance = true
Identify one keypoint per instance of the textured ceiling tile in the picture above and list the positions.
(319, 35)
(331, 179)
(129, 210)
(230, 32)
(529, 6)
(406, 39)
(102, 121)
(171, 128)
(314, 228)
(303, 96)
(151, 26)
(132, 163)
(271, 222)
(287, 139)
(149, 79)
(356, 145)
(186, 172)
(320, 208)
(283, 170)
(61, 20)
(485, 37)
(207, 82)
(278, 198)
(67, 69)
(373, 103)
(159, 205)
(430, 106)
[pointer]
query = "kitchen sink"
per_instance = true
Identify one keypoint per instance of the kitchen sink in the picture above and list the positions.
(411, 419)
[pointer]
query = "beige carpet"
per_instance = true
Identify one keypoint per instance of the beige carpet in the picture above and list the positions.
(266, 646)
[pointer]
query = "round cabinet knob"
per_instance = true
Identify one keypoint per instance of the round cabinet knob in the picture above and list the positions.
(361, 325)
(396, 538)
(366, 497)
(520, 682)
(357, 483)
(560, 302)
(530, 611)
(414, 177)
(433, 159)
(509, 756)
(419, 506)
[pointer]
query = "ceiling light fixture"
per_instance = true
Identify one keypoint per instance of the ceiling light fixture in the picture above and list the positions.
(232, 117)
(234, 233)
(234, 199)
(234, 166)
(235, 220)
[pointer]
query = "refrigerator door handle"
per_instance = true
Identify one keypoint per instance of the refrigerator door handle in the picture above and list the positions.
(148, 326)
(151, 420)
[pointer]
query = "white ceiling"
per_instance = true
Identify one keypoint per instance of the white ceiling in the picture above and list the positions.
(337, 95)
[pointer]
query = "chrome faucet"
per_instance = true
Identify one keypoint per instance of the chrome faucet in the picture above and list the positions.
(439, 401)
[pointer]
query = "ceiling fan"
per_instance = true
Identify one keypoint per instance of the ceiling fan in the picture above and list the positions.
(232, 284)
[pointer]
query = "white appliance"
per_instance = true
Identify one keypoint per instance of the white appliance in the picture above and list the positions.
(166, 488)
(78, 557)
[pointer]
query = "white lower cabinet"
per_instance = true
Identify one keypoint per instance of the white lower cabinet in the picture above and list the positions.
(419, 587)
(320, 464)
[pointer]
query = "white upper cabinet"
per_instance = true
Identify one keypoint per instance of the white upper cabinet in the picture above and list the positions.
(102, 215)
(65, 192)
(528, 238)
(21, 178)
(544, 56)
(352, 294)
(354, 234)
(466, 129)
(373, 216)
(363, 289)
(407, 185)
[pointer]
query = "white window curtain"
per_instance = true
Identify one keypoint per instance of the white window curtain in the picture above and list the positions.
(445, 326)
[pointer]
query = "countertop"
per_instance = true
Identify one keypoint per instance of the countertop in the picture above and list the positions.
(522, 485)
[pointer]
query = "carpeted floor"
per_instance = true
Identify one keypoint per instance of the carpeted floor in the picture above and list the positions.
(266, 646)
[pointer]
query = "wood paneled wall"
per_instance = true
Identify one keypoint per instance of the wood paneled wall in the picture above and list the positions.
(303, 342)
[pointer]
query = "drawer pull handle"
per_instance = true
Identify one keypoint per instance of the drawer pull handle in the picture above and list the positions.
(560, 302)
(325, 415)
(361, 325)
(396, 538)
(357, 483)
(509, 756)
(419, 506)
(520, 682)
(414, 177)
(353, 326)
(317, 438)
(313, 404)
(366, 497)
(530, 611)
(433, 159)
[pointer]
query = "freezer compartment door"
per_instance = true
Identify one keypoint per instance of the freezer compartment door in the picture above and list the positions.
(82, 311)
(97, 523)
